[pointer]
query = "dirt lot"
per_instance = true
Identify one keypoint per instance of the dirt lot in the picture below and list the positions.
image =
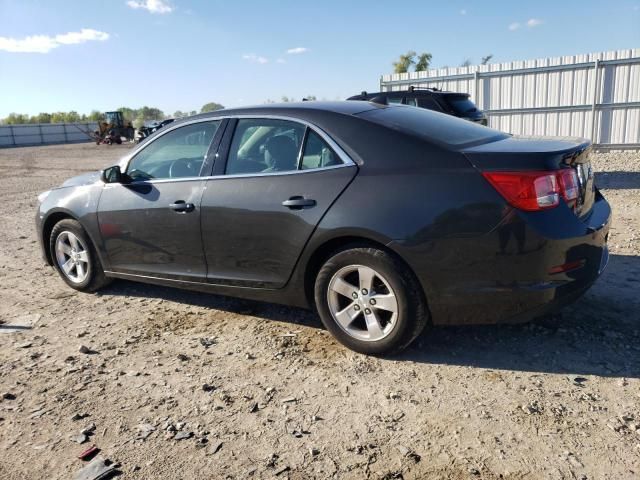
(184, 385)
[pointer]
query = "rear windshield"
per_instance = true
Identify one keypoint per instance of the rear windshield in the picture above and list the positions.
(460, 104)
(433, 126)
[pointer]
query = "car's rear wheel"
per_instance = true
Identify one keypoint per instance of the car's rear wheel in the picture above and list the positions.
(370, 301)
(75, 258)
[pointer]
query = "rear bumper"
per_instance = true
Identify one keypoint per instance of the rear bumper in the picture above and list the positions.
(515, 272)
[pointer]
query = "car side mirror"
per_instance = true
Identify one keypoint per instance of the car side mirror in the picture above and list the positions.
(112, 175)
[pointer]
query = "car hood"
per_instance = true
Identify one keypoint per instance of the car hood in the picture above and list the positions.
(84, 179)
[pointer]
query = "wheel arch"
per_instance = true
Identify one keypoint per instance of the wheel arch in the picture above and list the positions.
(331, 246)
(47, 227)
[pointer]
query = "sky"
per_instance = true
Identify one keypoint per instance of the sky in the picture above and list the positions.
(61, 55)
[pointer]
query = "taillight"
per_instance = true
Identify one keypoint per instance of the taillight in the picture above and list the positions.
(568, 179)
(534, 191)
(530, 191)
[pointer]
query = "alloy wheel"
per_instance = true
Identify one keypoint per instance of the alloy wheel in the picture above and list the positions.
(362, 303)
(72, 257)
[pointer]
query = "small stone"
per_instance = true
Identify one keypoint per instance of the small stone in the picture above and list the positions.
(253, 408)
(79, 416)
(314, 451)
(215, 448)
(183, 435)
(79, 438)
(473, 471)
(182, 357)
(8, 396)
(208, 388)
(89, 429)
(84, 349)
(25, 345)
(289, 399)
(393, 396)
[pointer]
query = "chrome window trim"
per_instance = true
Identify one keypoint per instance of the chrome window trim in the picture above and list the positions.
(344, 157)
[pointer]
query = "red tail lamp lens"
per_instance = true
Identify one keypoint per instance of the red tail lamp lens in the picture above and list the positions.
(529, 191)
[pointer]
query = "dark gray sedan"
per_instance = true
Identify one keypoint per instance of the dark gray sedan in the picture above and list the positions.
(382, 218)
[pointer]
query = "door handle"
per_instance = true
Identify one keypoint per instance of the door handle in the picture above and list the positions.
(298, 203)
(181, 206)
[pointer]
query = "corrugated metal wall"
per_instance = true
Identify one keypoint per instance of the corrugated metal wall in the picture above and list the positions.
(550, 96)
(44, 133)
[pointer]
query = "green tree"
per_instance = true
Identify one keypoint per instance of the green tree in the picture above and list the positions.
(486, 59)
(128, 113)
(71, 117)
(179, 114)
(16, 119)
(424, 59)
(58, 117)
(192, 113)
(95, 116)
(466, 63)
(211, 107)
(404, 62)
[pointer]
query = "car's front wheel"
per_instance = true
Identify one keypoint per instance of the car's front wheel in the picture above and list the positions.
(370, 301)
(75, 258)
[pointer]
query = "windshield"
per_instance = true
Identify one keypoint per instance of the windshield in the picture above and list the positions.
(433, 126)
(460, 104)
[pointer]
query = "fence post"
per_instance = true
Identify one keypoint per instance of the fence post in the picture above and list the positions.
(476, 77)
(13, 136)
(596, 89)
(41, 136)
(66, 137)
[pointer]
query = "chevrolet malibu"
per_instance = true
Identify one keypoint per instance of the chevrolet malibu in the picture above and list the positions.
(382, 218)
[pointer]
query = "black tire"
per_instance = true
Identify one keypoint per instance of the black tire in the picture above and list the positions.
(412, 313)
(95, 277)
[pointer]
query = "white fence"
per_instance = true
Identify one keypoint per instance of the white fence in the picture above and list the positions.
(596, 95)
(44, 133)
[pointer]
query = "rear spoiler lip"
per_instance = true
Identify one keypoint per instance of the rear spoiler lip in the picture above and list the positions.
(528, 153)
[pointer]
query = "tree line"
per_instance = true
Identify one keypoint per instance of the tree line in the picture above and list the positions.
(138, 116)
(422, 61)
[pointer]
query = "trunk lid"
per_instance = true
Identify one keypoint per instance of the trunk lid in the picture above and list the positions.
(521, 153)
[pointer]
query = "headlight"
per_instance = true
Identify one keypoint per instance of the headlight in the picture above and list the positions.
(43, 196)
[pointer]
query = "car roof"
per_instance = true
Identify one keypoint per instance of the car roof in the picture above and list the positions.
(415, 93)
(340, 107)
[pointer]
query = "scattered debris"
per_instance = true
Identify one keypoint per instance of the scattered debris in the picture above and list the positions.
(99, 468)
(208, 388)
(8, 396)
(215, 447)
(84, 349)
(289, 400)
(82, 438)
(182, 357)
(89, 453)
(183, 435)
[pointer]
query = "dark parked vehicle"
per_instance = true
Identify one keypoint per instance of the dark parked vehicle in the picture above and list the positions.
(383, 218)
(452, 103)
(146, 130)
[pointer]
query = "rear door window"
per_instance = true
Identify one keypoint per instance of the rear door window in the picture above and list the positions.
(265, 146)
(430, 103)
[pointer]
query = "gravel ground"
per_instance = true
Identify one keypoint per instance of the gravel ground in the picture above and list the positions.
(184, 385)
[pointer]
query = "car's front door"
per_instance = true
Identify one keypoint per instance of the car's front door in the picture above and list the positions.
(150, 223)
(257, 213)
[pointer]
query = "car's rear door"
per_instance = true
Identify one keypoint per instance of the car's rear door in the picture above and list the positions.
(272, 183)
(150, 224)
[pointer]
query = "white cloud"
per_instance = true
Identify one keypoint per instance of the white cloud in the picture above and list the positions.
(463, 12)
(253, 58)
(533, 22)
(297, 50)
(514, 26)
(46, 43)
(153, 6)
